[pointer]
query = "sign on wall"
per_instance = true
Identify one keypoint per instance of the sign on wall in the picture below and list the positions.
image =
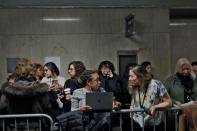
(54, 59)
(11, 64)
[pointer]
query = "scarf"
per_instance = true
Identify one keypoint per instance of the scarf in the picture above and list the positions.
(187, 83)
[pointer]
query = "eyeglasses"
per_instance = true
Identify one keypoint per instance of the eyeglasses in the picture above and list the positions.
(71, 69)
(97, 79)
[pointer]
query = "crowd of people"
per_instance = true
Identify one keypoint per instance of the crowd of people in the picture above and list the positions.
(42, 89)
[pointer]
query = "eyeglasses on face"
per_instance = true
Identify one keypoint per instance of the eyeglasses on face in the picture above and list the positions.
(71, 69)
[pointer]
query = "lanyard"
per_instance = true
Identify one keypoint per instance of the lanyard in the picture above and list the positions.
(142, 103)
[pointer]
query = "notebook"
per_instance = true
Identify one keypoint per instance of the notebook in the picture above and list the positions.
(100, 101)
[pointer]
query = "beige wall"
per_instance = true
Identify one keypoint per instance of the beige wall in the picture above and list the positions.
(183, 41)
(97, 36)
(2, 66)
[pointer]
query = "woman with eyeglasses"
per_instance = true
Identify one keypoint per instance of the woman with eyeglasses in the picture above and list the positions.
(75, 69)
(52, 77)
(55, 85)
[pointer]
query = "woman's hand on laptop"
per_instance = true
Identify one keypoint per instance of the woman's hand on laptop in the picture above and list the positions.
(85, 108)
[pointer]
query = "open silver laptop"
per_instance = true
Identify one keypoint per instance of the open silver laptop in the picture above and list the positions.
(100, 101)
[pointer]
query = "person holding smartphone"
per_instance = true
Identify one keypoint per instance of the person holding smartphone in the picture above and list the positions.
(52, 76)
(55, 84)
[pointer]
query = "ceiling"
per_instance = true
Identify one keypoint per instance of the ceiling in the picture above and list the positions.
(7, 4)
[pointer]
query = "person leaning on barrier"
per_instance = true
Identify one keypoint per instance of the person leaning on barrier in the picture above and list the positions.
(182, 87)
(148, 94)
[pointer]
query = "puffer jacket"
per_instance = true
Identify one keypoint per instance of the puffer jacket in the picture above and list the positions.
(82, 121)
(71, 121)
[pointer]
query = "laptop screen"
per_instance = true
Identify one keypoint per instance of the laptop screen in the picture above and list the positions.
(100, 101)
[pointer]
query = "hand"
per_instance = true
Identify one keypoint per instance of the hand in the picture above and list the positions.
(85, 108)
(178, 103)
(195, 102)
(69, 97)
(152, 110)
(60, 96)
(109, 74)
(116, 104)
(53, 86)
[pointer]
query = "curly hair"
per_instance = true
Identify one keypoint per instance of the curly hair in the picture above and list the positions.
(79, 67)
(38, 66)
(86, 76)
(25, 69)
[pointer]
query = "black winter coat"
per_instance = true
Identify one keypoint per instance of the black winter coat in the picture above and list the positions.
(24, 97)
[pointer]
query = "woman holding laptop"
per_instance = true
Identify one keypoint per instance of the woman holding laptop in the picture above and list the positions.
(91, 83)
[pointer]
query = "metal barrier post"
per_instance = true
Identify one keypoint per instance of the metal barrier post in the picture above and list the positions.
(131, 122)
(40, 125)
(154, 122)
(175, 114)
(143, 122)
(15, 125)
(165, 121)
(3, 125)
(27, 124)
(120, 121)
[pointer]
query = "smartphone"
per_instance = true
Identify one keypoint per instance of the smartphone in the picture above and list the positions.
(54, 82)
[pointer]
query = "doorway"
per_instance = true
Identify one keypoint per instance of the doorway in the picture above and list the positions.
(125, 58)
